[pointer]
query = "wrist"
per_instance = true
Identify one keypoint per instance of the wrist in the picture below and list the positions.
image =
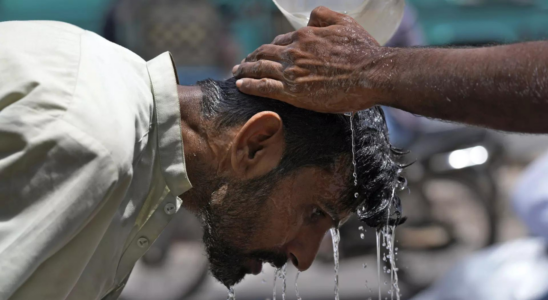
(379, 71)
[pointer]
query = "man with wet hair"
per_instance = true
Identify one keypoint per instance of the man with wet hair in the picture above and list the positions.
(100, 149)
(290, 178)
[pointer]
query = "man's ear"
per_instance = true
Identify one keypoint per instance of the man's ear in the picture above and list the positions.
(258, 146)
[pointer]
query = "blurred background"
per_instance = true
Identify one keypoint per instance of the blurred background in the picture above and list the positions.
(477, 214)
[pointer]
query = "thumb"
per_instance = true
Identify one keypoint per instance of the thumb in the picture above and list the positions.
(322, 16)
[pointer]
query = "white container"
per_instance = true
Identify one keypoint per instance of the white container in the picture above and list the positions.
(380, 18)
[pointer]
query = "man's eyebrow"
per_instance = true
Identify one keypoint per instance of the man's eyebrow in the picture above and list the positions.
(331, 211)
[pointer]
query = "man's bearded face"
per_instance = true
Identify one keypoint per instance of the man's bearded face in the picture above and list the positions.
(233, 221)
(270, 220)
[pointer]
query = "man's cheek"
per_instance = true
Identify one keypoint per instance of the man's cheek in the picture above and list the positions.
(279, 229)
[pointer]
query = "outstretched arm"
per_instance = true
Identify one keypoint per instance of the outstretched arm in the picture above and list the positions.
(335, 66)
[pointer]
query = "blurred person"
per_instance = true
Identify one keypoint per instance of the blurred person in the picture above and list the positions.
(512, 270)
(334, 65)
(98, 149)
(530, 197)
(508, 271)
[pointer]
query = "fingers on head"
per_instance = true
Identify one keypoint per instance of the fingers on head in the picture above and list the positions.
(266, 87)
(259, 69)
(267, 51)
(322, 16)
(283, 39)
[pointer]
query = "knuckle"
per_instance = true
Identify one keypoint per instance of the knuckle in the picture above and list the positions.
(302, 33)
(278, 38)
(261, 50)
(249, 57)
(317, 11)
(264, 86)
(256, 67)
(293, 87)
(291, 54)
(290, 74)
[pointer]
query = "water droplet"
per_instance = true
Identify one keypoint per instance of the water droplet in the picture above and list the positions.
(361, 228)
(362, 236)
(356, 195)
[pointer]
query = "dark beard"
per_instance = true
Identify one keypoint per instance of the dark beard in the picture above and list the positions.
(232, 223)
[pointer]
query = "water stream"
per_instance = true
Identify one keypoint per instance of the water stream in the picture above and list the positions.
(335, 236)
(378, 235)
(274, 285)
(354, 174)
(297, 286)
(284, 276)
(231, 294)
(389, 237)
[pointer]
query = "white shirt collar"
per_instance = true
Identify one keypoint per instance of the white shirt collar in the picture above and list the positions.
(163, 77)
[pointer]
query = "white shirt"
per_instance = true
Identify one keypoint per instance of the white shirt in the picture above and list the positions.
(91, 160)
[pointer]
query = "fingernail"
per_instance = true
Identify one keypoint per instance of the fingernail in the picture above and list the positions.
(235, 69)
(239, 83)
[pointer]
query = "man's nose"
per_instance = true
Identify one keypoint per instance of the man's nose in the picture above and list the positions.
(303, 249)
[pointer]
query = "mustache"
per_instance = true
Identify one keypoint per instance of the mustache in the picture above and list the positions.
(275, 258)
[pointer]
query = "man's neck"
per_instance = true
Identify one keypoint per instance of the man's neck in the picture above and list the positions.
(206, 155)
(195, 142)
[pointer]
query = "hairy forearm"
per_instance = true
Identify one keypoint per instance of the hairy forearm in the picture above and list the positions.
(503, 87)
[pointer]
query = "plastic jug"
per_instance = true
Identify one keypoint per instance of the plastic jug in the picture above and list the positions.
(380, 18)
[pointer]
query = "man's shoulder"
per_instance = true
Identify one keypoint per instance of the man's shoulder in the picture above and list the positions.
(26, 29)
(40, 61)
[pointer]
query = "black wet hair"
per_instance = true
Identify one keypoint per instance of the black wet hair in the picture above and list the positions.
(318, 140)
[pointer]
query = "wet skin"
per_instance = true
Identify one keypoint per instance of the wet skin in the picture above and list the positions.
(293, 218)
(299, 213)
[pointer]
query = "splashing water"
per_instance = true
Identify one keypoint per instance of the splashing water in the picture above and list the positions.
(335, 236)
(297, 286)
(389, 237)
(231, 294)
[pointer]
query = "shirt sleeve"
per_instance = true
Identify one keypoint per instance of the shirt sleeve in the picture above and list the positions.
(53, 180)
